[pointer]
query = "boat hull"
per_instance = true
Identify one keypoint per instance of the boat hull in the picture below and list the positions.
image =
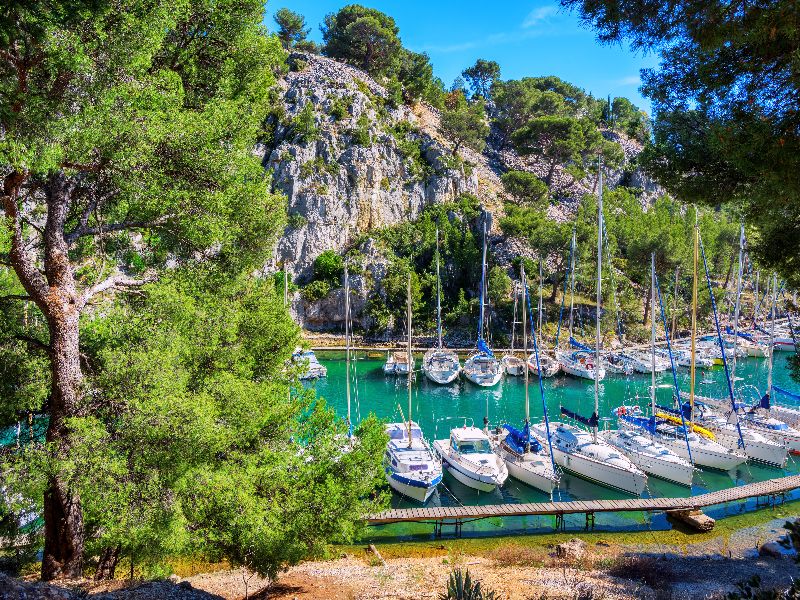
(414, 490)
(530, 473)
(766, 452)
(702, 456)
(468, 477)
(680, 472)
(442, 377)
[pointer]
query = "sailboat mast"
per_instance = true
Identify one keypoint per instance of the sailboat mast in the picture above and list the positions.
(772, 332)
(599, 292)
(483, 283)
(347, 344)
(692, 366)
(525, 351)
(514, 321)
(653, 334)
(408, 358)
(438, 294)
(738, 304)
(572, 285)
(285, 287)
(541, 282)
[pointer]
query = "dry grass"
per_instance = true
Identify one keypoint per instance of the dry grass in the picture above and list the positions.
(516, 555)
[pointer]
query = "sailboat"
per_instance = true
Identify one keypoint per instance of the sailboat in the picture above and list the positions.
(439, 364)
(645, 451)
(582, 451)
(524, 456)
(728, 429)
(546, 365)
(412, 468)
(511, 363)
(481, 367)
(578, 363)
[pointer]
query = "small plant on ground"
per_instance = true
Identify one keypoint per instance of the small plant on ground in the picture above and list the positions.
(360, 134)
(296, 221)
(304, 124)
(460, 586)
(316, 290)
(340, 107)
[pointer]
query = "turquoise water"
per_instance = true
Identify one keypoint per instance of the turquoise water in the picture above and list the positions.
(438, 408)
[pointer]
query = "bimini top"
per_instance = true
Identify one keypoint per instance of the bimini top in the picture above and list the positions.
(471, 433)
(399, 431)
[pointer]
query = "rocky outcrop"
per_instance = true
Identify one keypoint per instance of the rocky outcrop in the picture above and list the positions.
(369, 165)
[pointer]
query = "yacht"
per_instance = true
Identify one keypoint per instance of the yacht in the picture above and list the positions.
(310, 367)
(469, 457)
(619, 363)
(579, 364)
(398, 363)
(650, 456)
(549, 365)
(526, 459)
(412, 469)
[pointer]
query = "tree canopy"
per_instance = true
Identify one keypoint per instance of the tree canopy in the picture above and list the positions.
(726, 99)
(291, 27)
(364, 37)
(482, 76)
(465, 122)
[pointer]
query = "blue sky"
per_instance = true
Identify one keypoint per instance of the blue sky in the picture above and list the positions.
(526, 38)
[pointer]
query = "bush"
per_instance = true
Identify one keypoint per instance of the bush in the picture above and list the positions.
(360, 134)
(318, 165)
(329, 267)
(304, 124)
(316, 290)
(460, 586)
(526, 188)
(340, 107)
(296, 221)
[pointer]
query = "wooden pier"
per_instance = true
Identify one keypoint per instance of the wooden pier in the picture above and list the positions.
(770, 490)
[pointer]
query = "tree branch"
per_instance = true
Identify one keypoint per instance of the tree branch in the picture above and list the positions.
(10, 297)
(118, 282)
(82, 230)
(38, 344)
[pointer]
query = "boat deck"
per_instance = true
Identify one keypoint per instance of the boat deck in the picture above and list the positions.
(771, 488)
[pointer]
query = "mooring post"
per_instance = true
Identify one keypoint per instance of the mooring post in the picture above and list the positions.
(589, 521)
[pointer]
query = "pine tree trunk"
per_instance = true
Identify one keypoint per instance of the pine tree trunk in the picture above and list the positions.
(107, 565)
(646, 309)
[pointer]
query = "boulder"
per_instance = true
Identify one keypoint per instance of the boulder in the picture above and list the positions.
(574, 549)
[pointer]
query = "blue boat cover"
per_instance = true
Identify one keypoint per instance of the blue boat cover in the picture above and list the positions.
(591, 421)
(646, 423)
(517, 439)
(686, 409)
(741, 334)
(483, 347)
(576, 344)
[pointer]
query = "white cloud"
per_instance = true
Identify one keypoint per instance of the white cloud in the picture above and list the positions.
(537, 15)
(631, 80)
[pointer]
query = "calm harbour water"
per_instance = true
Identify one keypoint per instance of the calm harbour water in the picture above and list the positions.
(438, 408)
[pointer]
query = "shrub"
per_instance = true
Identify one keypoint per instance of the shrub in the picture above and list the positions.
(329, 267)
(304, 124)
(316, 290)
(360, 134)
(318, 165)
(340, 107)
(460, 586)
(296, 221)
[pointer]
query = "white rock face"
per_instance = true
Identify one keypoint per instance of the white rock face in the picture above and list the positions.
(338, 190)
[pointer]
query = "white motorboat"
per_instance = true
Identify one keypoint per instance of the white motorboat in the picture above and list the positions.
(773, 429)
(310, 367)
(617, 362)
(412, 469)
(482, 369)
(575, 451)
(398, 363)
(441, 365)
(642, 362)
(513, 365)
(468, 456)
(784, 344)
(579, 364)
(650, 456)
(549, 365)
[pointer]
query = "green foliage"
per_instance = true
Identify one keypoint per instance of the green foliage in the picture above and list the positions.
(329, 266)
(360, 135)
(364, 37)
(278, 280)
(499, 286)
(794, 366)
(460, 586)
(465, 122)
(339, 107)
(727, 128)
(482, 76)
(318, 165)
(565, 141)
(634, 122)
(296, 221)
(416, 75)
(304, 124)
(291, 27)
(316, 290)
(526, 188)
(309, 46)
(410, 145)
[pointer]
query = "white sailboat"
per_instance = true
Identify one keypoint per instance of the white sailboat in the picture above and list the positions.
(439, 364)
(399, 363)
(644, 451)
(481, 367)
(310, 367)
(512, 364)
(583, 452)
(525, 457)
(547, 365)
(412, 469)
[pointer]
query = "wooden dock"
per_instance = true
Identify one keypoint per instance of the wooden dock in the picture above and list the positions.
(456, 515)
